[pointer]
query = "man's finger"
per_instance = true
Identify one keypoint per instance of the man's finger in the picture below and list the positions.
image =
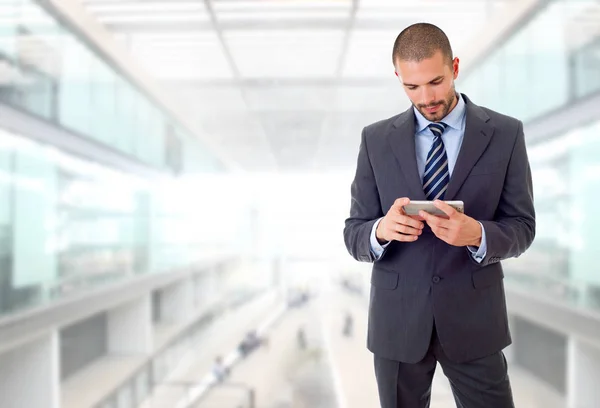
(440, 233)
(430, 219)
(399, 203)
(404, 229)
(447, 209)
(406, 220)
(435, 220)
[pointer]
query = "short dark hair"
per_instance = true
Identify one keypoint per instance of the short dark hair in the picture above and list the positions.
(420, 41)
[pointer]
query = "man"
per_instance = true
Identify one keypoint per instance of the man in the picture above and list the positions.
(437, 292)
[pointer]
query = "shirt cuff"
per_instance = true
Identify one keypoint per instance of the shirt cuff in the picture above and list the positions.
(479, 253)
(376, 248)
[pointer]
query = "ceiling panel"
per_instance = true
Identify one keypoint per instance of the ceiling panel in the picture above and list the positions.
(290, 15)
(159, 18)
(147, 11)
(278, 5)
(289, 97)
(383, 99)
(370, 53)
(458, 18)
(285, 54)
(207, 99)
(180, 56)
(581, 25)
(262, 78)
(100, 7)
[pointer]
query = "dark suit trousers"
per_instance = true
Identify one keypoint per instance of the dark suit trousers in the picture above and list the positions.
(481, 383)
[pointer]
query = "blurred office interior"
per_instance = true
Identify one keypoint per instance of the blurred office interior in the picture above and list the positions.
(175, 174)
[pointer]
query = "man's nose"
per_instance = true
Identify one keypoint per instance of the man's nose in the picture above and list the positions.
(427, 95)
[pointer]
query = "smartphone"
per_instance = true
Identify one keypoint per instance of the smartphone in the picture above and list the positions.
(412, 209)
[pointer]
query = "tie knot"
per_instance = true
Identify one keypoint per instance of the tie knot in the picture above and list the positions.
(437, 128)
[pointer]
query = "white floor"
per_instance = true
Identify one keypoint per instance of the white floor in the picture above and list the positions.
(356, 373)
(334, 371)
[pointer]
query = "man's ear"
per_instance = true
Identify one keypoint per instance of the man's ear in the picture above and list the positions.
(455, 63)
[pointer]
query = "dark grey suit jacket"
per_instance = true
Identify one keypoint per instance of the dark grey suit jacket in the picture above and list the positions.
(415, 283)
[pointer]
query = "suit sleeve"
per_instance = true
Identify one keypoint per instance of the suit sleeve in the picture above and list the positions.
(513, 228)
(365, 207)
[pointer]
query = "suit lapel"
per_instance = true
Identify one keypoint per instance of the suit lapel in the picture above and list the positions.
(478, 133)
(401, 139)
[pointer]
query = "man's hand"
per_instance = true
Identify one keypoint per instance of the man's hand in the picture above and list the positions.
(396, 225)
(458, 230)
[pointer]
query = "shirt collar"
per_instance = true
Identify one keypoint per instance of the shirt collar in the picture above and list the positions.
(454, 119)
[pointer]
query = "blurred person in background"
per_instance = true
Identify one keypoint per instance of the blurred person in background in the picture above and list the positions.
(251, 342)
(220, 371)
(348, 325)
(437, 290)
(301, 338)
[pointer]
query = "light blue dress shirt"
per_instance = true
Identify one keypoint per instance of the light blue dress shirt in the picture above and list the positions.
(452, 138)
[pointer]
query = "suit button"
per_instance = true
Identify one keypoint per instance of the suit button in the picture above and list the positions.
(435, 279)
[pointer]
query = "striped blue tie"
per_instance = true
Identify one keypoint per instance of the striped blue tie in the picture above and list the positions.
(437, 174)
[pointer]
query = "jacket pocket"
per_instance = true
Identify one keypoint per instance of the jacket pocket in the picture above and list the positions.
(487, 277)
(384, 280)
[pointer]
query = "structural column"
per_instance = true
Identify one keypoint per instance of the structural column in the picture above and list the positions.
(29, 374)
(130, 327)
(583, 374)
(177, 301)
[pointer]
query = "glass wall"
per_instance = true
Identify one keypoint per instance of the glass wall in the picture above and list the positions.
(68, 224)
(549, 62)
(586, 63)
(561, 262)
(553, 61)
(48, 71)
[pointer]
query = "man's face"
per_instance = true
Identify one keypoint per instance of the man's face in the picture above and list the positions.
(429, 84)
